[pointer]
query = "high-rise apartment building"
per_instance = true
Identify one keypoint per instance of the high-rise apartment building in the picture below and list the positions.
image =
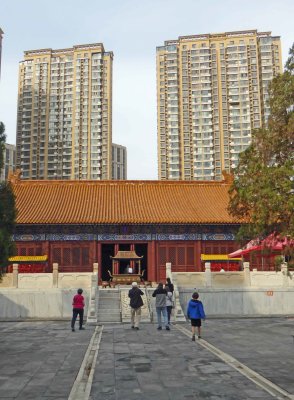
(64, 121)
(8, 161)
(212, 92)
(119, 162)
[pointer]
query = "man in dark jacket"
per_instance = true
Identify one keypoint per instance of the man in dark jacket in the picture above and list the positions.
(160, 304)
(136, 302)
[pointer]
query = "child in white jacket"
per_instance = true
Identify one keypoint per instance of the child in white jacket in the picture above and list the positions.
(169, 303)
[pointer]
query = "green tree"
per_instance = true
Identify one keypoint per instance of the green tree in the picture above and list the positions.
(7, 211)
(262, 192)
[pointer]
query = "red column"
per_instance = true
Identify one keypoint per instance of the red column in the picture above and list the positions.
(46, 251)
(198, 255)
(132, 262)
(116, 264)
(152, 264)
(99, 259)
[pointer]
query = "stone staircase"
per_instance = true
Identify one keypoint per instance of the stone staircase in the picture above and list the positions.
(152, 303)
(109, 309)
(146, 315)
(177, 312)
(113, 306)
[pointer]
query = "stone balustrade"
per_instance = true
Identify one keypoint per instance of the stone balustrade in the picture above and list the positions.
(238, 279)
(243, 293)
(54, 280)
(47, 295)
(178, 312)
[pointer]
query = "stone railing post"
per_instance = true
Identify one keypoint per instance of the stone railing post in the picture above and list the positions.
(168, 270)
(95, 268)
(284, 271)
(247, 279)
(55, 275)
(177, 311)
(15, 275)
(208, 274)
(94, 293)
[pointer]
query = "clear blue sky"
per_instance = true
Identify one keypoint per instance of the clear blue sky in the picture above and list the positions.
(131, 29)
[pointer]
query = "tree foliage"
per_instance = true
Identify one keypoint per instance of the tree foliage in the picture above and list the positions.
(262, 193)
(7, 210)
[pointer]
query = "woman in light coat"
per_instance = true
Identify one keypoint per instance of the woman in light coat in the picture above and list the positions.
(169, 303)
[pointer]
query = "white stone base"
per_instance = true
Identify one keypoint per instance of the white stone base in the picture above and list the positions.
(242, 302)
(43, 304)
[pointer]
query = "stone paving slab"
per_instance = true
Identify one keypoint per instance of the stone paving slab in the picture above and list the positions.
(40, 360)
(149, 364)
(264, 344)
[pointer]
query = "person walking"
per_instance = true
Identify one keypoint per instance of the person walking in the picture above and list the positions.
(169, 303)
(195, 312)
(78, 305)
(170, 285)
(160, 303)
(136, 302)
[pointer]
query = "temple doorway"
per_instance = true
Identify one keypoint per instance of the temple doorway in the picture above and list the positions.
(124, 264)
(141, 249)
(107, 250)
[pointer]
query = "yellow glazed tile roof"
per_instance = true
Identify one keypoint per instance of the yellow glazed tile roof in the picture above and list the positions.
(218, 257)
(122, 202)
(28, 258)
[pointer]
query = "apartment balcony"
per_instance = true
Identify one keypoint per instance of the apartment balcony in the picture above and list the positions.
(234, 105)
(25, 149)
(208, 138)
(235, 151)
(206, 102)
(236, 137)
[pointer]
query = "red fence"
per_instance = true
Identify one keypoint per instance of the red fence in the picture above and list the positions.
(231, 266)
(29, 268)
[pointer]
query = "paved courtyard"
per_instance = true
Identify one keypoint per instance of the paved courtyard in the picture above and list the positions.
(236, 359)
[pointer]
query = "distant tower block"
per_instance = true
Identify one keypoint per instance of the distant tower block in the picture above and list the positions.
(211, 94)
(119, 162)
(64, 125)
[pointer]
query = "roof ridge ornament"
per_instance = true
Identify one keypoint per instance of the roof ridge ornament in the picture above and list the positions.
(228, 178)
(15, 176)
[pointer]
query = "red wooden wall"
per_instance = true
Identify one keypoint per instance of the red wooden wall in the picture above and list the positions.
(79, 256)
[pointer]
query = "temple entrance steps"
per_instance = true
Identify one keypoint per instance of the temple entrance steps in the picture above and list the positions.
(146, 311)
(177, 312)
(152, 302)
(109, 309)
(114, 306)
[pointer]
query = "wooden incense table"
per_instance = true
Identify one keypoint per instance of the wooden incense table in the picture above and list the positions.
(126, 279)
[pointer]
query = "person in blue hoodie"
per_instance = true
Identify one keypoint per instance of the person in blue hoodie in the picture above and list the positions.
(195, 312)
